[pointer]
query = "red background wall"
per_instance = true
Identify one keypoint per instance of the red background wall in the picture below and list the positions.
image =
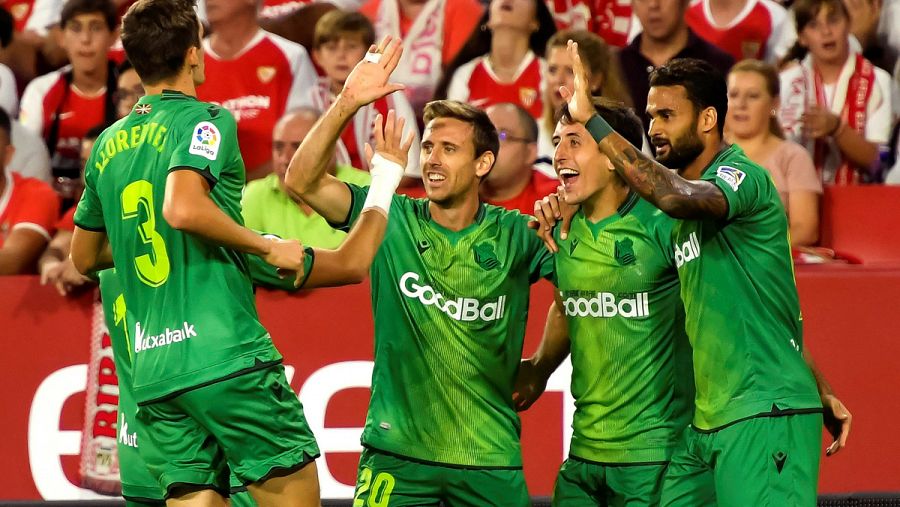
(852, 326)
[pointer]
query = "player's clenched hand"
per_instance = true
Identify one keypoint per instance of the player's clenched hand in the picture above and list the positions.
(581, 107)
(837, 421)
(369, 79)
(286, 255)
(530, 385)
(389, 141)
(548, 211)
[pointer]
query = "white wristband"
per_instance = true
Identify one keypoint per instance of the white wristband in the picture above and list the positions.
(386, 176)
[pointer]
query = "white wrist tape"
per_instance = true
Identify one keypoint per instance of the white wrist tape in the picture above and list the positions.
(372, 57)
(386, 176)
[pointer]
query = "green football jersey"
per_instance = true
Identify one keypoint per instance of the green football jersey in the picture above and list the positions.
(195, 315)
(631, 366)
(450, 311)
(742, 311)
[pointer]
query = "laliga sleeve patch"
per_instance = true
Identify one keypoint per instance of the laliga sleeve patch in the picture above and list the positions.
(205, 140)
(734, 177)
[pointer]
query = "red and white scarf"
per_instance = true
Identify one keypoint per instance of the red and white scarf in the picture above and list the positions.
(850, 101)
(421, 63)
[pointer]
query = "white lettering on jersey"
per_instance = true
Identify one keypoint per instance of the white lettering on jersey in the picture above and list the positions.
(462, 309)
(605, 305)
(205, 140)
(143, 341)
(248, 106)
(687, 251)
(129, 439)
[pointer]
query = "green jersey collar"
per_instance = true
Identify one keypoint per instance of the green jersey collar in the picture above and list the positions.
(453, 236)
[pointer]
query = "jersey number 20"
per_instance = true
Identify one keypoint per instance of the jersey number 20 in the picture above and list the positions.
(152, 268)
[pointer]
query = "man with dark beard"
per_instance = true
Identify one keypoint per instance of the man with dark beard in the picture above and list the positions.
(755, 435)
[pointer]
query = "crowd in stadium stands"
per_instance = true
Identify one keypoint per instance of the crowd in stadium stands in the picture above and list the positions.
(812, 93)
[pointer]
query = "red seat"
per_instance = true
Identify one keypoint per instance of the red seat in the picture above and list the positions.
(862, 223)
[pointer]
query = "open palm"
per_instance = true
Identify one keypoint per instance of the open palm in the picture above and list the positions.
(368, 81)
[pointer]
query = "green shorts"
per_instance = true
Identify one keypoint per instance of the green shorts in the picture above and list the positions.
(583, 483)
(252, 423)
(139, 487)
(385, 480)
(760, 461)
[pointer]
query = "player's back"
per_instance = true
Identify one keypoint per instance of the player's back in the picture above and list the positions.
(195, 317)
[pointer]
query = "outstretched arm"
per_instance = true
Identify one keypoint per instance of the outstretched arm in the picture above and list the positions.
(350, 262)
(306, 175)
(676, 196)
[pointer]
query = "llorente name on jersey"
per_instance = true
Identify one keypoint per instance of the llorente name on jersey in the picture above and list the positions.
(143, 341)
(461, 309)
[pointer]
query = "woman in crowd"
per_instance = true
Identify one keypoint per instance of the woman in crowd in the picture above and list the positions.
(834, 101)
(501, 61)
(603, 71)
(752, 123)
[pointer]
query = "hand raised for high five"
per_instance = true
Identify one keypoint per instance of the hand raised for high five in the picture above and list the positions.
(581, 107)
(389, 141)
(368, 81)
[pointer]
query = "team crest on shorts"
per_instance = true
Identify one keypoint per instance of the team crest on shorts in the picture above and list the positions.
(205, 141)
(527, 96)
(265, 73)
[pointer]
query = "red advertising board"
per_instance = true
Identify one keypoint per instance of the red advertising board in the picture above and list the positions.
(326, 337)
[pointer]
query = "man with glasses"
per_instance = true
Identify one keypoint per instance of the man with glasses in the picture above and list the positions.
(514, 183)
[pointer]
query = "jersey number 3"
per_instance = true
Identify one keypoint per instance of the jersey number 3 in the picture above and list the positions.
(152, 268)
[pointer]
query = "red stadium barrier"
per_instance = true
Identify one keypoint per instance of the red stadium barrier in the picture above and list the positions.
(851, 327)
(861, 223)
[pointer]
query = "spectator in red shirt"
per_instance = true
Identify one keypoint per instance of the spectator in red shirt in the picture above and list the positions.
(502, 60)
(28, 212)
(514, 183)
(254, 74)
(62, 106)
(55, 266)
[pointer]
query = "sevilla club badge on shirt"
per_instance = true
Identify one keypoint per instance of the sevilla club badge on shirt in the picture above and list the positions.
(265, 73)
(527, 96)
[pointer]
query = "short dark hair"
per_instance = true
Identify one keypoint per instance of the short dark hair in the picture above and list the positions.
(338, 24)
(484, 134)
(620, 117)
(6, 125)
(157, 34)
(705, 85)
(74, 8)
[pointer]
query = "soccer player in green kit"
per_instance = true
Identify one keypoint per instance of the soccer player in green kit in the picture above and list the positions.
(450, 288)
(618, 294)
(756, 431)
(162, 203)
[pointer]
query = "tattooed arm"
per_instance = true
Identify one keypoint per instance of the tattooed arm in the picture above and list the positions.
(674, 195)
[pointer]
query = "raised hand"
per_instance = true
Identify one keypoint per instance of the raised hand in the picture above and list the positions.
(581, 107)
(389, 141)
(368, 81)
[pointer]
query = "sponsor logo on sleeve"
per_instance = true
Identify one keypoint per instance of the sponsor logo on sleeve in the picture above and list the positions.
(734, 177)
(205, 141)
